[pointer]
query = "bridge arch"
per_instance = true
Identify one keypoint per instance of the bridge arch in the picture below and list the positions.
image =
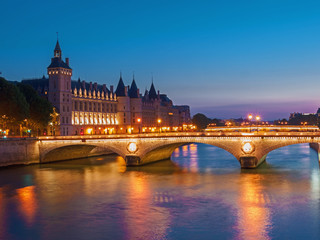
(164, 149)
(60, 152)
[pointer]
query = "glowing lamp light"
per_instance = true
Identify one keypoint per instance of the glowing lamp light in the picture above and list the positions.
(132, 147)
(250, 116)
(247, 147)
(139, 120)
(258, 118)
(159, 120)
(89, 130)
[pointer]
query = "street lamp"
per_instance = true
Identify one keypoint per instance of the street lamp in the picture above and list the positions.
(250, 118)
(139, 121)
(159, 122)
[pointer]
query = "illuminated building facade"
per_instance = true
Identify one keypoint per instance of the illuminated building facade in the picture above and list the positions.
(91, 108)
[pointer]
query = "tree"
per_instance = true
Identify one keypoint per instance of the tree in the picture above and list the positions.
(40, 108)
(13, 105)
(200, 120)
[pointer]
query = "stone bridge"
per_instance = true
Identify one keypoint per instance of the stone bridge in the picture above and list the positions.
(250, 149)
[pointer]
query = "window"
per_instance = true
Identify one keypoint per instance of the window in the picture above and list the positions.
(67, 119)
(63, 109)
(62, 119)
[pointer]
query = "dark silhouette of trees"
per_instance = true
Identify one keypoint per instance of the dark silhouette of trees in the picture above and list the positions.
(40, 108)
(201, 121)
(13, 104)
(22, 108)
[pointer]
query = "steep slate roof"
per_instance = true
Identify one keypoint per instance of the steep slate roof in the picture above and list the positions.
(43, 83)
(152, 92)
(57, 62)
(57, 48)
(37, 82)
(120, 91)
(77, 84)
(133, 91)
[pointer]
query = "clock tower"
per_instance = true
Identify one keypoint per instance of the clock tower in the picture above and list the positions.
(60, 90)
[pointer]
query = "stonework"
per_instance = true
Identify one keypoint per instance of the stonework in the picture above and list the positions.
(90, 108)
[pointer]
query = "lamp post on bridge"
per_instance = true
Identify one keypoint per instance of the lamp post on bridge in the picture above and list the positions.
(250, 117)
(159, 122)
(139, 122)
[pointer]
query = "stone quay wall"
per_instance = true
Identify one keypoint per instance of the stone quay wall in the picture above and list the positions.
(19, 151)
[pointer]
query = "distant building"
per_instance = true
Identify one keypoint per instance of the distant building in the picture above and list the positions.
(91, 108)
(304, 118)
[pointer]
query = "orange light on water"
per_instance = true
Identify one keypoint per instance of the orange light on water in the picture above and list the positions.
(27, 202)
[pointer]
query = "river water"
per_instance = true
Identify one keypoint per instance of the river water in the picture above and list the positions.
(201, 194)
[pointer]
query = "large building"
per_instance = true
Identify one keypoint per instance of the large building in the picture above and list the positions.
(91, 108)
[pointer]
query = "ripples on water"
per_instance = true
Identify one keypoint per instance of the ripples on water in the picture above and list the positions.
(201, 194)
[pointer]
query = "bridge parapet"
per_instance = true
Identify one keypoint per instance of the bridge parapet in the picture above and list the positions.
(250, 150)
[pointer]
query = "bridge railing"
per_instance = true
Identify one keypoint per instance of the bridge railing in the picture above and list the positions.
(185, 134)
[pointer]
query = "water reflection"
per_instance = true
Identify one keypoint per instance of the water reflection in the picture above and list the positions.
(202, 194)
(191, 153)
(27, 203)
(253, 214)
(2, 214)
(143, 218)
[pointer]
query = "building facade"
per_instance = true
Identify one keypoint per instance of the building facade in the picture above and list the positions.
(91, 108)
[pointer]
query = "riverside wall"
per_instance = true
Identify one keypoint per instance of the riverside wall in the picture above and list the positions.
(27, 151)
(18, 151)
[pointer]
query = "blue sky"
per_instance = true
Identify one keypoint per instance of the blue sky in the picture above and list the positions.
(223, 58)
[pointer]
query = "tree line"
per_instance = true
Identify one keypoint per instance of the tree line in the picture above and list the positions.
(22, 109)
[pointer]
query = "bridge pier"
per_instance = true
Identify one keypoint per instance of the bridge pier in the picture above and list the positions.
(316, 147)
(251, 161)
(132, 160)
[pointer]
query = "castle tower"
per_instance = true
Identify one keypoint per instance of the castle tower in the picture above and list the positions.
(60, 91)
(135, 107)
(123, 114)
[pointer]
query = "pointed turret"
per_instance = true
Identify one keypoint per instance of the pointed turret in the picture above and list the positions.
(133, 91)
(57, 50)
(56, 61)
(120, 91)
(152, 92)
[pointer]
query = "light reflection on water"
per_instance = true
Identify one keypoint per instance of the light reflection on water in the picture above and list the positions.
(201, 194)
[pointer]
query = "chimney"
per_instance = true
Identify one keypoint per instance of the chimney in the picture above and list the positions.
(126, 91)
(67, 61)
(90, 86)
(84, 84)
(95, 85)
(104, 87)
(111, 88)
(138, 92)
